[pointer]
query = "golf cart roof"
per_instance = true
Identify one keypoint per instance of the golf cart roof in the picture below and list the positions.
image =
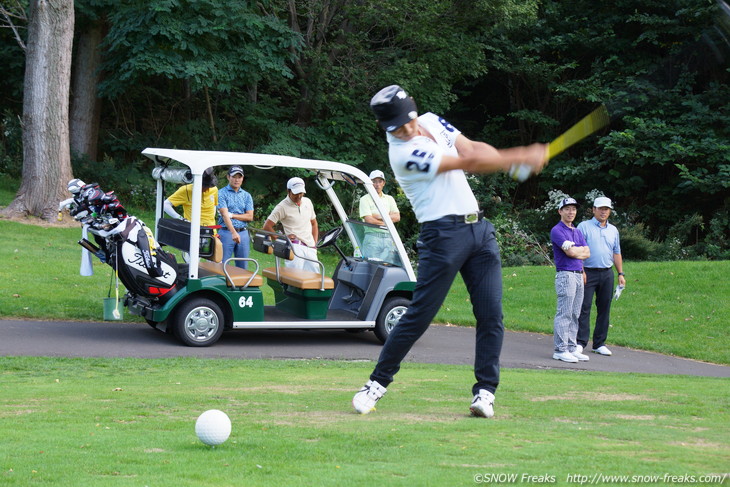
(199, 161)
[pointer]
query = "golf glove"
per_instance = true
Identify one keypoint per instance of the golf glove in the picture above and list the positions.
(619, 290)
(567, 244)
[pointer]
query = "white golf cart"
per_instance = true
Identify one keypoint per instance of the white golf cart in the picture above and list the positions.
(365, 292)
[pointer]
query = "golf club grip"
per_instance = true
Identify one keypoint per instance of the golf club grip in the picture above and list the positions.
(88, 246)
(589, 124)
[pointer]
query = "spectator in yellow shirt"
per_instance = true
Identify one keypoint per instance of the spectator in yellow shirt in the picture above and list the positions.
(184, 197)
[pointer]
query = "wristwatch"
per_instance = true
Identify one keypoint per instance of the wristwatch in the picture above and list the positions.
(621, 274)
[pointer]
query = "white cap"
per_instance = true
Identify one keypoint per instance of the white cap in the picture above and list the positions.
(377, 174)
(296, 185)
(602, 201)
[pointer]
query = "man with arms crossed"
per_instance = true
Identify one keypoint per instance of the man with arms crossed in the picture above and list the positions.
(377, 243)
(429, 157)
(569, 250)
(603, 240)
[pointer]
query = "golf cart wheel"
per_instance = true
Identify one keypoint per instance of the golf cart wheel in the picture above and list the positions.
(390, 314)
(199, 322)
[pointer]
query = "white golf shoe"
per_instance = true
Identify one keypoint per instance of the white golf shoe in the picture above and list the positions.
(565, 357)
(580, 356)
(579, 348)
(366, 398)
(603, 350)
(483, 404)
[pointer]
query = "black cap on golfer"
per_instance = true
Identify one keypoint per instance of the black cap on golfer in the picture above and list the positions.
(393, 107)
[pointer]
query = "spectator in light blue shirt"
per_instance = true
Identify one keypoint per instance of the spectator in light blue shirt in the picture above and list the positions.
(604, 244)
(235, 207)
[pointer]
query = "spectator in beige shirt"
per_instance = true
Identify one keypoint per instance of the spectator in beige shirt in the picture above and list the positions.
(296, 214)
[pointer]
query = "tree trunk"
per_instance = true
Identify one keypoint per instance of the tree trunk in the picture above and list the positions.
(46, 153)
(85, 105)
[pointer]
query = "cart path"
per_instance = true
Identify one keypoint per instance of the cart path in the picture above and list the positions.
(440, 344)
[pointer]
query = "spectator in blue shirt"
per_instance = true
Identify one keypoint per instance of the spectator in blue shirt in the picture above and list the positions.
(236, 209)
(603, 241)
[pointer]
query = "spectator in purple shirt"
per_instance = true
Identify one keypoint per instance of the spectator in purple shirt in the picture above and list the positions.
(570, 250)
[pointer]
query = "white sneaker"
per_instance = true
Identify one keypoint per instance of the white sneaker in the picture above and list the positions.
(602, 350)
(366, 398)
(565, 357)
(579, 348)
(483, 404)
(581, 357)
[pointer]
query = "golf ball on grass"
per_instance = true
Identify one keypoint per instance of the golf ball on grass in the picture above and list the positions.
(213, 427)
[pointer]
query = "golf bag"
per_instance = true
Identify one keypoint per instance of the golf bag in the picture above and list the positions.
(126, 244)
(144, 268)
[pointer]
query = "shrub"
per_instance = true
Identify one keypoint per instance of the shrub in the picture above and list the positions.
(11, 145)
(519, 246)
(130, 181)
(636, 246)
(717, 241)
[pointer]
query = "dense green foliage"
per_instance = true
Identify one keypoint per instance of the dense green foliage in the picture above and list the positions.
(295, 78)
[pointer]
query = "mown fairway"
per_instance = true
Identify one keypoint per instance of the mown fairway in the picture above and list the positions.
(103, 422)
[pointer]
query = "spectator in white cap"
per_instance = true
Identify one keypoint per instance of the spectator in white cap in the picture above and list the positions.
(570, 250)
(605, 246)
(377, 243)
(297, 217)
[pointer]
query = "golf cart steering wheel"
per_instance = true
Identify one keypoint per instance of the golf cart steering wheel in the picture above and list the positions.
(329, 237)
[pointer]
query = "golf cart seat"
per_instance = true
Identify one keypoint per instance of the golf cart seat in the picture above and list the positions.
(235, 275)
(298, 278)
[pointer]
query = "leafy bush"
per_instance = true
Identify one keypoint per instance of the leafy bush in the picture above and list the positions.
(11, 145)
(130, 181)
(682, 242)
(717, 242)
(519, 246)
(635, 245)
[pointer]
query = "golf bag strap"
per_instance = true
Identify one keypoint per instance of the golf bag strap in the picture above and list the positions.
(151, 264)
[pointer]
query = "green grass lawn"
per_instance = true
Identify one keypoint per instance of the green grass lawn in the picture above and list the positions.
(678, 308)
(106, 422)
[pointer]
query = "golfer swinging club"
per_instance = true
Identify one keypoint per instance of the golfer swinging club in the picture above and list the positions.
(428, 157)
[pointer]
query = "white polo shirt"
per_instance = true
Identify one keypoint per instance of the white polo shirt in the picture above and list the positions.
(415, 164)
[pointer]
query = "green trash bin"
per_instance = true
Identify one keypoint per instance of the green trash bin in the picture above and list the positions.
(111, 304)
